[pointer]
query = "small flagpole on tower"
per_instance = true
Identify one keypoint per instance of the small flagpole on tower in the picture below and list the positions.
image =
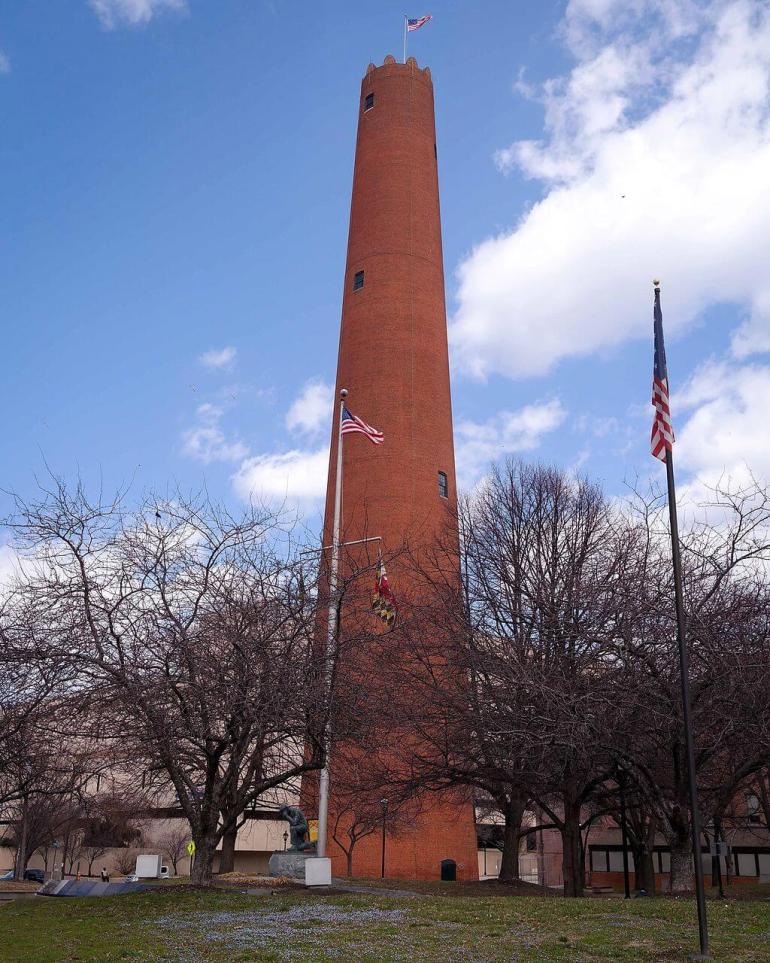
(406, 20)
(331, 638)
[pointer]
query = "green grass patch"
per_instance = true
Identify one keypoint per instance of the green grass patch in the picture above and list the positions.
(187, 926)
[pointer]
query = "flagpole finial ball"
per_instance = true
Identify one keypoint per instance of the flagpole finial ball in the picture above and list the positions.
(656, 283)
(344, 393)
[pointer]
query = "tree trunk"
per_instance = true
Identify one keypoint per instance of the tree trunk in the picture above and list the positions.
(509, 862)
(642, 846)
(677, 832)
(203, 866)
(572, 866)
(227, 855)
(682, 870)
(21, 852)
(644, 868)
(349, 857)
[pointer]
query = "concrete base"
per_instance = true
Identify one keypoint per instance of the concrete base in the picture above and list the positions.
(289, 864)
(318, 871)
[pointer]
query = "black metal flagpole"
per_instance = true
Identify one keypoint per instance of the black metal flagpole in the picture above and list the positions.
(684, 667)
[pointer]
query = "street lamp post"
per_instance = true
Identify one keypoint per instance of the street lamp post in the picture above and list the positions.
(56, 844)
(285, 837)
(384, 804)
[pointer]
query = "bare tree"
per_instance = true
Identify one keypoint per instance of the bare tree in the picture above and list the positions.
(125, 861)
(173, 843)
(363, 798)
(530, 630)
(191, 633)
(725, 546)
(90, 854)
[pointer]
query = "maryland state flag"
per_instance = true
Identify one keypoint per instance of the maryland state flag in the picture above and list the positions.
(383, 603)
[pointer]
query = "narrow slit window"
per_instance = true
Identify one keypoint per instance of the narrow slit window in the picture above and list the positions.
(368, 102)
(443, 485)
(358, 280)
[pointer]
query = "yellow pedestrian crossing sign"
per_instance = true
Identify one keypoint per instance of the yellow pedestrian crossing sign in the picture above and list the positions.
(191, 848)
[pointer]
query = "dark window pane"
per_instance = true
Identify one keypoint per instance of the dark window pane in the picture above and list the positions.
(369, 102)
(443, 485)
(358, 280)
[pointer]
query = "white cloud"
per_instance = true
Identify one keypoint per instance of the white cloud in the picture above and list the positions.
(586, 20)
(209, 412)
(292, 476)
(655, 165)
(296, 476)
(9, 565)
(218, 357)
(112, 13)
(5, 63)
(207, 442)
(478, 444)
(311, 411)
(726, 434)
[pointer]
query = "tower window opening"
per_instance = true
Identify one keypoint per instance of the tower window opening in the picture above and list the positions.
(358, 280)
(368, 102)
(443, 485)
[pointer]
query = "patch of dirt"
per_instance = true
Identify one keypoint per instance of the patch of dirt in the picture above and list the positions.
(242, 879)
(486, 887)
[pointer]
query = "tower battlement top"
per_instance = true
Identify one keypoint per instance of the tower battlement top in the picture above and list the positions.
(391, 62)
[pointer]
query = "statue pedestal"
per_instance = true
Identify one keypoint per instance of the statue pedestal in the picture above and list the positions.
(289, 864)
(318, 871)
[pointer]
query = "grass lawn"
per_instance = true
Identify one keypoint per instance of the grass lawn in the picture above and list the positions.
(183, 925)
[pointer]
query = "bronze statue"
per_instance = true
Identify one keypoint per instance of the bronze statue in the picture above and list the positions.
(298, 828)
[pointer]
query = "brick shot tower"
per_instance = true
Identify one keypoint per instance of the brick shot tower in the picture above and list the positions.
(393, 360)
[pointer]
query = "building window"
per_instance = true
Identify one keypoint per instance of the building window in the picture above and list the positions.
(368, 102)
(443, 485)
(358, 280)
(531, 843)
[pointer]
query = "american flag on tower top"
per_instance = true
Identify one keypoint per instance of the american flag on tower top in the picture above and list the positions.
(662, 431)
(418, 22)
(351, 424)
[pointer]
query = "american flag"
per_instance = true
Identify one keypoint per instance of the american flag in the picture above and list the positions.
(350, 424)
(419, 22)
(662, 431)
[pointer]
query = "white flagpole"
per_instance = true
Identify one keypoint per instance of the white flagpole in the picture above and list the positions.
(331, 638)
(405, 24)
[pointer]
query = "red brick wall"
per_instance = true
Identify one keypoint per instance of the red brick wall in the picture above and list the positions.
(393, 361)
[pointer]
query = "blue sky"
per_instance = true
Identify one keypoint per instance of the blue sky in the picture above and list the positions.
(175, 189)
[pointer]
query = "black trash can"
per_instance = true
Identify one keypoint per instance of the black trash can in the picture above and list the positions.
(448, 870)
